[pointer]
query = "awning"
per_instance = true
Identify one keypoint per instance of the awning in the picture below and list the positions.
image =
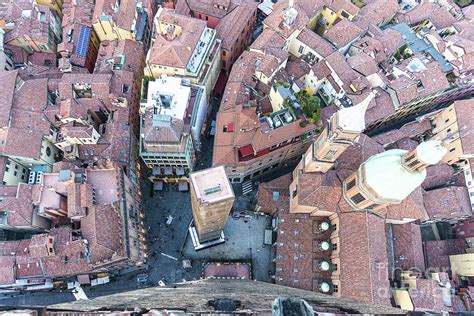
(84, 279)
(220, 84)
(158, 186)
(183, 186)
(246, 150)
(99, 281)
(168, 171)
(156, 171)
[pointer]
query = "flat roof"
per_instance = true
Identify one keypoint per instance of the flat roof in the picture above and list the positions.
(172, 94)
(211, 185)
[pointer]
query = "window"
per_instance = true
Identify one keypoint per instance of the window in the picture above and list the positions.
(125, 88)
(345, 14)
(452, 149)
(444, 202)
(358, 198)
(351, 184)
(301, 49)
(420, 86)
(15, 173)
(334, 247)
(295, 270)
(223, 53)
(410, 158)
(446, 120)
(16, 167)
(413, 163)
(335, 288)
(334, 267)
(295, 192)
(7, 169)
(48, 151)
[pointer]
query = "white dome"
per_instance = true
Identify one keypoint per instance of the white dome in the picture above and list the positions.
(325, 287)
(324, 245)
(385, 174)
(324, 265)
(431, 152)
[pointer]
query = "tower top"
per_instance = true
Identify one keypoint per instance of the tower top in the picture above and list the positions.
(353, 118)
(431, 152)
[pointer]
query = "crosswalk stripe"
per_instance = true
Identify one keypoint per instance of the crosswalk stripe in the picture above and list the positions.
(247, 187)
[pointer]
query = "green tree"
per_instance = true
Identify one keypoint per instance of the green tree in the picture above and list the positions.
(310, 105)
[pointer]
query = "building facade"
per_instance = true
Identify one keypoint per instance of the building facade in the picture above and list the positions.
(212, 198)
(171, 122)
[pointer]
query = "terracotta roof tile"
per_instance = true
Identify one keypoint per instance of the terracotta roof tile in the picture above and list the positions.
(270, 202)
(465, 120)
(447, 202)
(363, 258)
(438, 15)
(437, 175)
(176, 52)
(233, 24)
(7, 275)
(430, 296)
(437, 252)
(275, 20)
(376, 12)
(408, 247)
(343, 33)
(316, 42)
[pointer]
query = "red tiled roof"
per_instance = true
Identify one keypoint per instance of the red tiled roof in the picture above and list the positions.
(266, 195)
(343, 33)
(465, 121)
(437, 252)
(363, 258)
(408, 247)
(7, 275)
(430, 296)
(450, 202)
(316, 42)
(438, 15)
(437, 175)
(234, 23)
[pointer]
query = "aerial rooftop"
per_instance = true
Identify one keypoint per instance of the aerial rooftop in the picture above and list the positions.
(212, 185)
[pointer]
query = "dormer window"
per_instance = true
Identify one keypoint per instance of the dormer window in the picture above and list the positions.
(358, 198)
(420, 86)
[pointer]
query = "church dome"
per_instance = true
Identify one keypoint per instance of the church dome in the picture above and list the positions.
(385, 174)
